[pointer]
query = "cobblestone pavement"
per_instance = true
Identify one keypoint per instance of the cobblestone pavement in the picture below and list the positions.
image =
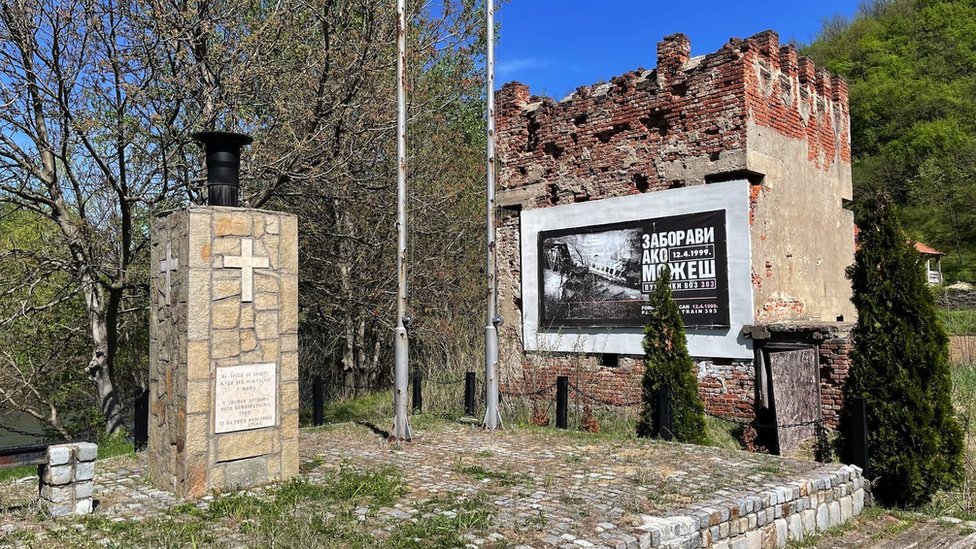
(545, 488)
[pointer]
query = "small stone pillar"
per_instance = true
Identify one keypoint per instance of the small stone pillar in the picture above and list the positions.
(67, 479)
(223, 349)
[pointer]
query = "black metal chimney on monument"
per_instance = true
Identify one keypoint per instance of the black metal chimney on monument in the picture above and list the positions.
(223, 150)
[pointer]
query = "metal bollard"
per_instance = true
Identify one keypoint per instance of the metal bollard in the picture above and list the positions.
(469, 386)
(140, 431)
(562, 402)
(418, 396)
(664, 428)
(318, 402)
(859, 433)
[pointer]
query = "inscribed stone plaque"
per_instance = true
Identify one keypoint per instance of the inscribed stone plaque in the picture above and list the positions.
(245, 397)
(796, 396)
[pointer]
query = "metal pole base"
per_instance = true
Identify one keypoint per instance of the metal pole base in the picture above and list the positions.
(401, 420)
(493, 419)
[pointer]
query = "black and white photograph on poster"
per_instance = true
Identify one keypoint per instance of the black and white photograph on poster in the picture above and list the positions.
(601, 275)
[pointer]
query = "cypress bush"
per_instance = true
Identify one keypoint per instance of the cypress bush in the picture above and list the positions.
(668, 363)
(900, 366)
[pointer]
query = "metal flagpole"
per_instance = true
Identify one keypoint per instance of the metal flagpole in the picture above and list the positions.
(401, 422)
(493, 419)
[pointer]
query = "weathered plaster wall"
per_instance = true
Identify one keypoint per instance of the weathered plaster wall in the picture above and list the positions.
(798, 137)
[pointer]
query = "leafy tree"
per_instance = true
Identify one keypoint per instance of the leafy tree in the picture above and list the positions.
(668, 363)
(900, 366)
(910, 67)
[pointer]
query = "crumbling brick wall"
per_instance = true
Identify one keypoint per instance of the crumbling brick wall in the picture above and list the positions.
(751, 110)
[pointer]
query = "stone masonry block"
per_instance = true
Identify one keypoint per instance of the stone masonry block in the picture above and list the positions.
(85, 471)
(59, 454)
(57, 494)
(87, 451)
(857, 502)
(823, 518)
(60, 509)
(84, 489)
(846, 508)
(83, 506)
(57, 475)
(834, 510)
(782, 532)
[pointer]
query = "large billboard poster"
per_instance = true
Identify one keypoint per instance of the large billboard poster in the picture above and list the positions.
(601, 275)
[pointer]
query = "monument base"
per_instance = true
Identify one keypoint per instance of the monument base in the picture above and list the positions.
(224, 350)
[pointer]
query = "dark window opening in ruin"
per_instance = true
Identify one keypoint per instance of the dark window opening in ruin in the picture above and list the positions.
(641, 182)
(712, 130)
(680, 89)
(553, 193)
(533, 128)
(580, 120)
(752, 177)
(656, 123)
(552, 150)
(840, 318)
(575, 138)
(523, 170)
(677, 184)
(609, 360)
(714, 156)
(509, 211)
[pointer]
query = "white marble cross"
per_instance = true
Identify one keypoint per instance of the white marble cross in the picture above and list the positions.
(246, 262)
(169, 265)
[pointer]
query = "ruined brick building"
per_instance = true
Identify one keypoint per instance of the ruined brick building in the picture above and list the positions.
(751, 131)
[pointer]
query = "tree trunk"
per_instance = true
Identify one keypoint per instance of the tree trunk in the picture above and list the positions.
(100, 366)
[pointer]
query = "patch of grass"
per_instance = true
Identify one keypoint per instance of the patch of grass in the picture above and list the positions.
(15, 473)
(372, 407)
(296, 513)
(478, 472)
(437, 530)
(723, 434)
(959, 322)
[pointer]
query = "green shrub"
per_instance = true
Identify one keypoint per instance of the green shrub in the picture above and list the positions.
(668, 363)
(900, 366)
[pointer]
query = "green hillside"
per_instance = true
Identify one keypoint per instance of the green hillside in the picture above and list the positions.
(911, 67)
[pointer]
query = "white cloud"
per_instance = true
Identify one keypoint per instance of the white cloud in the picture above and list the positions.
(512, 67)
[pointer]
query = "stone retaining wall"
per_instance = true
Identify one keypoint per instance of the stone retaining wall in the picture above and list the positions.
(769, 518)
(67, 479)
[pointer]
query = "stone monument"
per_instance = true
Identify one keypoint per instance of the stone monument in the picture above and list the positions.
(223, 357)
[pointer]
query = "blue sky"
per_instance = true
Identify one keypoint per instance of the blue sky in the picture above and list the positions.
(555, 46)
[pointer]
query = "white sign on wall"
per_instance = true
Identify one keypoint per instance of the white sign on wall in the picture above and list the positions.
(558, 239)
(245, 397)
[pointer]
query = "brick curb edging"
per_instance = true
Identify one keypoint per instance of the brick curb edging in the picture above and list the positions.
(765, 519)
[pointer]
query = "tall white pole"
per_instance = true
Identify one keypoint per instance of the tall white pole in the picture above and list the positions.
(493, 418)
(401, 422)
